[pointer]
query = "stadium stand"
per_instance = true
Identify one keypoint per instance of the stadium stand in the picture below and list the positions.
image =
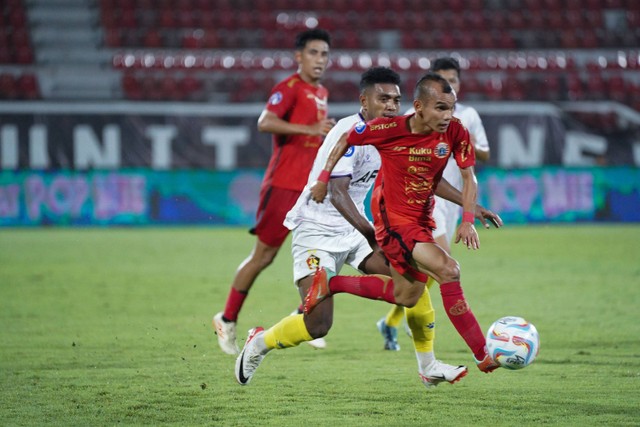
(233, 50)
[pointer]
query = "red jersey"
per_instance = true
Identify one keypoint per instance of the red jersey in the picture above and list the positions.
(295, 101)
(412, 164)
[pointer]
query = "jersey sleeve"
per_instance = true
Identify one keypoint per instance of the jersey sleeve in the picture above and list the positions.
(345, 165)
(282, 99)
(374, 132)
(463, 150)
(477, 130)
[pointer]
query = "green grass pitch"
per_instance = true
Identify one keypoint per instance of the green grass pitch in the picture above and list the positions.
(112, 327)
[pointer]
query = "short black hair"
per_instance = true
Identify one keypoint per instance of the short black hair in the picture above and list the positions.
(422, 87)
(447, 63)
(377, 75)
(316, 34)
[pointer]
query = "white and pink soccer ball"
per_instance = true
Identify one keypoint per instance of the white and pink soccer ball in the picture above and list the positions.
(513, 342)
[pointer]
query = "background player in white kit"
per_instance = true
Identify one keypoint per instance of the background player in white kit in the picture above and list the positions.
(446, 214)
(331, 234)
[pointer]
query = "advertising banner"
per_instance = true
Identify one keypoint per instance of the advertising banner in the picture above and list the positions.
(46, 136)
(147, 197)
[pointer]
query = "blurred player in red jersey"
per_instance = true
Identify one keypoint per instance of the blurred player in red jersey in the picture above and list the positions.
(414, 150)
(296, 115)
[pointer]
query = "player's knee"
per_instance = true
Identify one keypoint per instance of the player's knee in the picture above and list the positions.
(451, 271)
(264, 260)
(407, 300)
(319, 328)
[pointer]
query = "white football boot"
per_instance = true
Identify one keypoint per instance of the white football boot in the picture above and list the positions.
(226, 332)
(439, 372)
(249, 358)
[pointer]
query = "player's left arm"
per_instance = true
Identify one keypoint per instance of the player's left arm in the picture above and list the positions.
(466, 231)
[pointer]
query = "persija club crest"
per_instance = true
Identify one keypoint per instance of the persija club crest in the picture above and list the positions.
(442, 150)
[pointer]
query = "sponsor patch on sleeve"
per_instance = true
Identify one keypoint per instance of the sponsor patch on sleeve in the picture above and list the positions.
(360, 127)
(350, 151)
(275, 98)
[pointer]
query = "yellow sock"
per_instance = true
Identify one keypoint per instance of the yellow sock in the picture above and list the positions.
(289, 332)
(430, 282)
(394, 316)
(421, 320)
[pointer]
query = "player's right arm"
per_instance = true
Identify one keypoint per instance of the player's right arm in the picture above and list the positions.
(319, 188)
(342, 201)
(271, 123)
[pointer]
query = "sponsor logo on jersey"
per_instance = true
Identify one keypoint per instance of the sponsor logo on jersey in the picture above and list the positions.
(419, 151)
(417, 169)
(276, 98)
(321, 103)
(442, 150)
(313, 262)
(382, 126)
(360, 127)
(417, 185)
(350, 151)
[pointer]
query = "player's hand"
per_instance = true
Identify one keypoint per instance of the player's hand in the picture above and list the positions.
(318, 191)
(322, 127)
(468, 235)
(484, 215)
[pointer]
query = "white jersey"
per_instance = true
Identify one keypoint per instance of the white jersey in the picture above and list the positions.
(361, 163)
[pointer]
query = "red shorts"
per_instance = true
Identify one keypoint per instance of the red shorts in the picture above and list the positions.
(274, 204)
(397, 242)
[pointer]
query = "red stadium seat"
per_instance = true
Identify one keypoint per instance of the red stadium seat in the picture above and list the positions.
(28, 86)
(24, 55)
(575, 90)
(8, 86)
(152, 39)
(617, 88)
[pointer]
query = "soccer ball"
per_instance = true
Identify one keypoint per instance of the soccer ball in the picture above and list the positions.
(513, 342)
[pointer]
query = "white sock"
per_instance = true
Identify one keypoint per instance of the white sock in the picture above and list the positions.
(425, 359)
(261, 346)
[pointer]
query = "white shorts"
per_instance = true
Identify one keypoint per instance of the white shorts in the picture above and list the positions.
(446, 215)
(313, 247)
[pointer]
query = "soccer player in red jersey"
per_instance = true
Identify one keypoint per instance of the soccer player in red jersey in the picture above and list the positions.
(414, 150)
(296, 115)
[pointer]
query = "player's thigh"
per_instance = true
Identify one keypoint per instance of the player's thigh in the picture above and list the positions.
(433, 260)
(361, 256)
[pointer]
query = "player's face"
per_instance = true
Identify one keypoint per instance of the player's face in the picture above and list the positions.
(435, 111)
(381, 100)
(452, 77)
(312, 60)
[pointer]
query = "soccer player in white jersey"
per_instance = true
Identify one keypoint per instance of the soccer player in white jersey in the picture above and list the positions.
(446, 214)
(338, 232)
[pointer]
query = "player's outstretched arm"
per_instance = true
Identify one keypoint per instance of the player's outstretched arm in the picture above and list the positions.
(484, 215)
(319, 188)
(467, 233)
(449, 192)
(344, 204)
